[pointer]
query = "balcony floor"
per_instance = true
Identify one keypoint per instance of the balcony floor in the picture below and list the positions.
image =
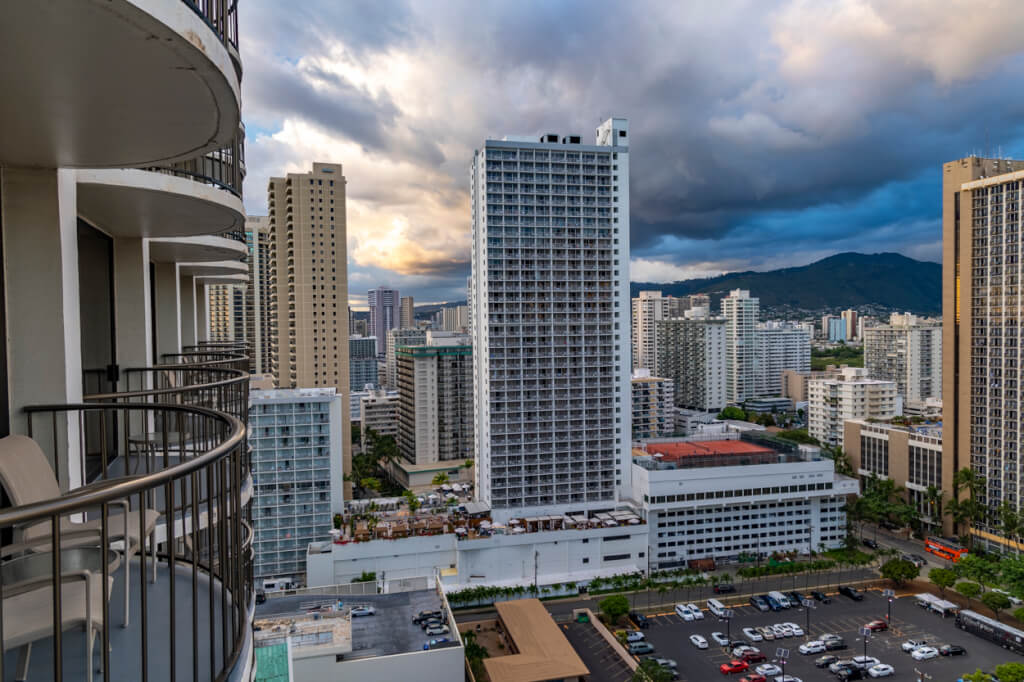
(126, 643)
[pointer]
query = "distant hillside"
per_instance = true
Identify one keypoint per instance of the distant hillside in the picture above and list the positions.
(844, 280)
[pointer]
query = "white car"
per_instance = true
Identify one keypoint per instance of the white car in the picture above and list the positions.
(881, 670)
(767, 669)
(781, 630)
(362, 611)
(698, 641)
(787, 678)
(697, 613)
(744, 648)
(923, 653)
(720, 639)
(435, 630)
(1013, 600)
(912, 644)
(865, 661)
(815, 647)
(797, 630)
(634, 636)
(684, 613)
(753, 635)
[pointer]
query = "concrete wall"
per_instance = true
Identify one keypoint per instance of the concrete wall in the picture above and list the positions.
(408, 557)
(435, 665)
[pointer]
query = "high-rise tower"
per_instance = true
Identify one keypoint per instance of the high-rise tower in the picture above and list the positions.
(384, 314)
(309, 284)
(550, 321)
(741, 360)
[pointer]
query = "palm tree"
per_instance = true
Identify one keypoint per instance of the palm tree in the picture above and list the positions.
(933, 498)
(1009, 523)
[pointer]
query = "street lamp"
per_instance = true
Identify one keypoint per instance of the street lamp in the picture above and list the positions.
(808, 605)
(727, 617)
(891, 596)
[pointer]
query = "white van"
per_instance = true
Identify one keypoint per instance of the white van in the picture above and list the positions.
(781, 598)
(278, 585)
(716, 607)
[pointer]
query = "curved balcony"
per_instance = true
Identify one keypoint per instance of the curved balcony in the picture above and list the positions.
(199, 249)
(171, 605)
(116, 83)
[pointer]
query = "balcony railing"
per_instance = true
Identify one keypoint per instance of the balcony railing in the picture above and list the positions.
(223, 168)
(166, 599)
(226, 359)
(221, 16)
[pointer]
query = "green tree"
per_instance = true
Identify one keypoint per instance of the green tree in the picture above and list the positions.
(997, 601)
(977, 676)
(614, 607)
(899, 571)
(370, 483)
(732, 412)
(966, 511)
(439, 479)
(1018, 614)
(468, 464)
(475, 652)
(411, 500)
(1010, 672)
(650, 671)
(933, 498)
(942, 578)
(969, 590)
(1009, 522)
(365, 577)
(978, 569)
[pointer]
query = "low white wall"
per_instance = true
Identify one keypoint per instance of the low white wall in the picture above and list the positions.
(435, 665)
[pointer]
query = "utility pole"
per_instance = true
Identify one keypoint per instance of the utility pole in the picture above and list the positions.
(536, 556)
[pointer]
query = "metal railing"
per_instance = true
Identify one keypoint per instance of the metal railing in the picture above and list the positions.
(217, 388)
(227, 359)
(177, 478)
(221, 16)
(222, 168)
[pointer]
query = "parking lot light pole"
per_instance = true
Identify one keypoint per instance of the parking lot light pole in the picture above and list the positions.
(808, 605)
(891, 596)
(727, 617)
(865, 633)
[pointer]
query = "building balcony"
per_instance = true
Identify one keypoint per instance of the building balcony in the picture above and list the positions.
(117, 83)
(173, 601)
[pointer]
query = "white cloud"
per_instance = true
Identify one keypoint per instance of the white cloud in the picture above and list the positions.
(649, 270)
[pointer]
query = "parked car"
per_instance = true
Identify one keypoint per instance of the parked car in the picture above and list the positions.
(828, 635)
(430, 623)
(753, 657)
(812, 647)
(753, 678)
(787, 678)
(919, 560)
(841, 664)
(767, 632)
(952, 650)
(639, 620)
(634, 636)
(426, 615)
(698, 641)
(924, 653)
(768, 669)
(821, 596)
(759, 603)
(797, 630)
(663, 662)
(912, 644)
(795, 598)
(724, 588)
(851, 592)
(837, 644)
(852, 674)
(1013, 600)
(881, 670)
(825, 661)
(362, 611)
(435, 630)
(738, 652)
(720, 639)
(877, 625)
(865, 662)
(781, 631)
(868, 542)
(733, 667)
(637, 648)
(697, 613)
(683, 612)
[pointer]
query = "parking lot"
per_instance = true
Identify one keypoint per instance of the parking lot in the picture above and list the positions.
(604, 663)
(844, 617)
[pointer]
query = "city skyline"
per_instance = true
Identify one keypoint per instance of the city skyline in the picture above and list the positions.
(789, 151)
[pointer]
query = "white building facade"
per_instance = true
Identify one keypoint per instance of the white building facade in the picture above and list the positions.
(780, 346)
(908, 351)
(550, 296)
(850, 395)
(741, 345)
(654, 410)
(647, 309)
(396, 338)
(378, 412)
(295, 436)
(691, 353)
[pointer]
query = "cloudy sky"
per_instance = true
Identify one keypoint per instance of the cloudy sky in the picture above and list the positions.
(764, 133)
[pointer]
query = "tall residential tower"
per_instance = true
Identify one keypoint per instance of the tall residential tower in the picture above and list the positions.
(384, 313)
(550, 296)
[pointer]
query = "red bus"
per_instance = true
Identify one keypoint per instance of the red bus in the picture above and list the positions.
(945, 548)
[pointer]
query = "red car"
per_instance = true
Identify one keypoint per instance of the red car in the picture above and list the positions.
(753, 678)
(753, 657)
(876, 625)
(733, 667)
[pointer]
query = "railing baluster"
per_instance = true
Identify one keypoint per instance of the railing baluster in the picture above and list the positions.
(58, 642)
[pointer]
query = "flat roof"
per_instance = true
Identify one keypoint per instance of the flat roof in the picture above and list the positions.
(682, 449)
(544, 652)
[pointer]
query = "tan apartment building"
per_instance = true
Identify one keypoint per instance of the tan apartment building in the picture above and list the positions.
(850, 395)
(981, 310)
(407, 312)
(794, 382)
(909, 455)
(309, 285)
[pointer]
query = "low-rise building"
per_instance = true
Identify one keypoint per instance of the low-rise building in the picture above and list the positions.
(737, 496)
(653, 406)
(911, 456)
(538, 650)
(794, 383)
(313, 636)
(851, 395)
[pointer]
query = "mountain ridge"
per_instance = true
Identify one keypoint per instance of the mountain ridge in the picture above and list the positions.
(843, 280)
